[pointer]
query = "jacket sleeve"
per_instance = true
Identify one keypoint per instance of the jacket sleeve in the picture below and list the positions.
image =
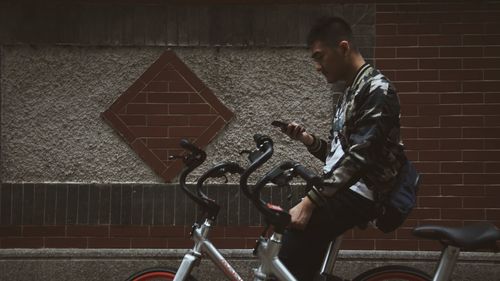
(319, 148)
(376, 113)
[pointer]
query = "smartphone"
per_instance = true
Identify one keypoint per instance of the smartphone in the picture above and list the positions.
(279, 124)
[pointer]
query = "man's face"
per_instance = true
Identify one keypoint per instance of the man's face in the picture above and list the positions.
(330, 61)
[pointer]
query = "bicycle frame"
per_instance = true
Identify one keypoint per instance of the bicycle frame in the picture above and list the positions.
(203, 245)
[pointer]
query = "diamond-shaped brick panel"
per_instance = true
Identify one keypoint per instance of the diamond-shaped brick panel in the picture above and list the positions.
(167, 103)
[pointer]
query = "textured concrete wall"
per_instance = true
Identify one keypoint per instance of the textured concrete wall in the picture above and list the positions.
(52, 97)
(105, 264)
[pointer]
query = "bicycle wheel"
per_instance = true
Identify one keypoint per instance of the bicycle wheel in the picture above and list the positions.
(156, 274)
(393, 273)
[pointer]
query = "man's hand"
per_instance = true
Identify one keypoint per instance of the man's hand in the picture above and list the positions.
(301, 213)
(298, 132)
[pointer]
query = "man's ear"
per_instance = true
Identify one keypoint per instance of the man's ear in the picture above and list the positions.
(345, 47)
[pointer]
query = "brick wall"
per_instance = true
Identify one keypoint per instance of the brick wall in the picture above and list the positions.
(444, 58)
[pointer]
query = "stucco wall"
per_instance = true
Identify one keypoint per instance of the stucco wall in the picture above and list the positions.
(52, 98)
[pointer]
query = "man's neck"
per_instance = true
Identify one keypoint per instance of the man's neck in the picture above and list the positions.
(357, 62)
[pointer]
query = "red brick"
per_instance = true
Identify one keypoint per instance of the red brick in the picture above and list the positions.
(65, 242)
(420, 144)
(133, 120)
(168, 120)
(385, 29)
(492, 167)
(190, 109)
(419, 98)
(491, 143)
(426, 213)
(408, 29)
(492, 74)
(417, 75)
(461, 52)
(440, 202)
(396, 18)
(169, 231)
(463, 214)
(408, 133)
(462, 121)
(481, 109)
(492, 28)
(482, 86)
(385, 8)
(440, 155)
(180, 87)
(149, 243)
(439, 40)
(169, 75)
(406, 86)
(185, 131)
(448, 98)
(386, 64)
(481, 63)
(168, 98)
(433, 87)
(358, 244)
(243, 231)
(481, 40)
(6, 231)
(463, 190)
(461, 167)
(492, 214)
(140, 98)
(179, 243)
(461, 143)
(163, 154)
(128, 231)
(404, 233)
(462, 28)
(394, 41)
(396, 244)
(151, 131)
(230, 243)
(219, 108)
(440, 63)
(492, 97)
(409, 110)
(417, 52)
(480, 16)
(441, 110)
(429, 245)
(385, 53)
(482, 179)
(109, 242)
(438, 133)
(87, 230)
(11, 242)
(410, 223)
(481, 155)
(144, 108)
(427, 167)
(439, 17)
(202, 120)
(110, 117)
(493, 132)
(461, 74)
(442, 178)
(159, 87)
(44, 231)
(412, 155)
(163, 142)
(481, 202)
(420, 121)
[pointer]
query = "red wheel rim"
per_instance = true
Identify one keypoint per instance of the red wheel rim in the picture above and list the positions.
(158, 274)
(396, 276)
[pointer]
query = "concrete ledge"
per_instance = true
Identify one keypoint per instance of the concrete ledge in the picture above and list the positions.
(117, 264)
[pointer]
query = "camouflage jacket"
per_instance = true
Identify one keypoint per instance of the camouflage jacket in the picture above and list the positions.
(369, 134)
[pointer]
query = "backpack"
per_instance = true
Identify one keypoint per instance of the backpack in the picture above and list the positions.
(397, 205)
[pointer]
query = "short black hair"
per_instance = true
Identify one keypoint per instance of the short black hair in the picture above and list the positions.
(330, 30)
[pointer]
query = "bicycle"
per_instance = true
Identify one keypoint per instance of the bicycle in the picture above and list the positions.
(472, 237)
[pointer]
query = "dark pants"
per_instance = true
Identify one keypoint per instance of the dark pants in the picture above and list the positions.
(303, 250)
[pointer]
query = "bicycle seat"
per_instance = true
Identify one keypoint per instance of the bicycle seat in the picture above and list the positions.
(475, 236)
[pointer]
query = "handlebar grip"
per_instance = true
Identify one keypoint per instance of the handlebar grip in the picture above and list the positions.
(261, 139)
(184, 143)
(307, 175)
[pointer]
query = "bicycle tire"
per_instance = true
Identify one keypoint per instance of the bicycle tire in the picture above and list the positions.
(156, 274)
(393, 273)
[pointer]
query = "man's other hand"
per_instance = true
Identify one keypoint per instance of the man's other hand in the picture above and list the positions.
(301, 214)
(298, 132)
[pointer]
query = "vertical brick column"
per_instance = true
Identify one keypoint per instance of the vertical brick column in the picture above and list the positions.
(444, 59)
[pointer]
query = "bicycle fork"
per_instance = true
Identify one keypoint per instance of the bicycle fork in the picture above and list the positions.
(202, 245)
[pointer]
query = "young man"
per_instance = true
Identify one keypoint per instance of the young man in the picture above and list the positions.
(362, 157)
